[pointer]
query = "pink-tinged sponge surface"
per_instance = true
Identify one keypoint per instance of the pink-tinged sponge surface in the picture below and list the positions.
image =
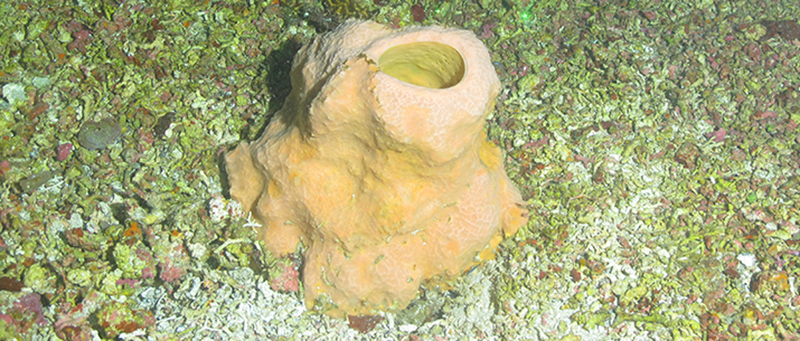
(378, 164)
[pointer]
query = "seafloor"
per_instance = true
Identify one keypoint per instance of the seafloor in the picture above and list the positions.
(656, 144)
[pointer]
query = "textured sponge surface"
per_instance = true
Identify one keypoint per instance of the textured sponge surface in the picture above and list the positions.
(379, 167)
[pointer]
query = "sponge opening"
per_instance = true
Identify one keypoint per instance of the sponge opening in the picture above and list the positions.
(429, 64)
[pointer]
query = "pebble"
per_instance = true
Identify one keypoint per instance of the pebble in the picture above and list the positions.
(98, 135)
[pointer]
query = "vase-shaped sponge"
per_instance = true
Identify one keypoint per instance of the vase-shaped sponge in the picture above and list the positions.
(378, 165)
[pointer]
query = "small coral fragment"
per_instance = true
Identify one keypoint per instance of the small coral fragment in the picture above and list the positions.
(687, 154)
(284, 276)
(173, 260)
(134, 260)
(10, 284)
(23, 314)
(118, 318)
(77, 237)
(364, 323)
(63, 150)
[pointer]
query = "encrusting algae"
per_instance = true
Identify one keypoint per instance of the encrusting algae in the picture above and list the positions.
(379, 165)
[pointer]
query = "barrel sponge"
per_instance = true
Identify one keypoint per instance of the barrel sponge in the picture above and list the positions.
(378, 164)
